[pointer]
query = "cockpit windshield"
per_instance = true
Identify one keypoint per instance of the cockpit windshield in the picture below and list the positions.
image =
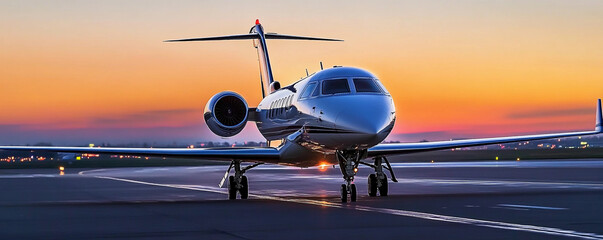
(335, 86)
(366, 85)
(343, 86)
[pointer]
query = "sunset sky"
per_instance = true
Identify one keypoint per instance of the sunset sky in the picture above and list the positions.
(77, 72)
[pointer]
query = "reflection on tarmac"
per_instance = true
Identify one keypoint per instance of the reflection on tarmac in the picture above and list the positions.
(476, 200)
(314, 187)
(313, 182)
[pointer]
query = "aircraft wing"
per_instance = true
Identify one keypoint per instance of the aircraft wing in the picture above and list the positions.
(401, 148)
(227, 154)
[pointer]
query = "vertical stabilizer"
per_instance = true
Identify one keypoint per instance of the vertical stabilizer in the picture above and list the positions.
(263, 58)
(259, 41)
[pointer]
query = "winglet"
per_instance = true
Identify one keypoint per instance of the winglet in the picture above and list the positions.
(599, 126)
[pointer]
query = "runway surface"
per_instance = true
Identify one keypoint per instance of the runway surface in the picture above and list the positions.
(477, 200)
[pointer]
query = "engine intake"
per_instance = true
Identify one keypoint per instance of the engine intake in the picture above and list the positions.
(226, 114)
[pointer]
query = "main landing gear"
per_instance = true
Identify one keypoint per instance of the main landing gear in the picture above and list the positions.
(237, 182)
(348, 163)
(378, 181)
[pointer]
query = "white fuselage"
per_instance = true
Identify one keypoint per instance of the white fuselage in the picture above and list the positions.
(353, 112)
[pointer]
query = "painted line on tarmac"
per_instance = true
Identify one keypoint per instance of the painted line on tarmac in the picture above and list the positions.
(91, 171)
(531, 207)
(504, 183)
(405, 213)
(29, 176)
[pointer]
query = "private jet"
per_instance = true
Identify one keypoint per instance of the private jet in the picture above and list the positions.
(337, 116)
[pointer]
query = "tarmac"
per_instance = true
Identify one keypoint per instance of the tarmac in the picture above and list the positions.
(553, 199)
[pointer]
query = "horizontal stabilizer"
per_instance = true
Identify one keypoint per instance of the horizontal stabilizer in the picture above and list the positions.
(252, 36)
(229, 37)
(257, 34)
(291, 37)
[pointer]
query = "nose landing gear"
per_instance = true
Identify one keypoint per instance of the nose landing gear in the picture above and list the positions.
(348, 163)
(348, 189)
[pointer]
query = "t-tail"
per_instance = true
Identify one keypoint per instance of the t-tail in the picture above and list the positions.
(259, 37)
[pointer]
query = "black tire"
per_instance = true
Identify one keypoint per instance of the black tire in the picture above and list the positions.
(244, 191)
(353, 193)
(344, 193)
(383, 189)
(232, 189)
(372, 185)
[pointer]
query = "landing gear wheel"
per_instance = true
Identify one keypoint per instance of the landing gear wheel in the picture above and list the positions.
(383, 188)
(244, 191)
(353, 192)
(344, 193)
(372, 185)
(232, 188)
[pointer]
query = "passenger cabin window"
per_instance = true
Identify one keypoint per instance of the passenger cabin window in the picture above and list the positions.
(366, 85)
(308, 90)
(280, 106)
(335, 86)
(270, 110)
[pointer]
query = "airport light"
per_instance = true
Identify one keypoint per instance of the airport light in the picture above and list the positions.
(61, 168)
(517, 159)
(496, 158)
(323, 166)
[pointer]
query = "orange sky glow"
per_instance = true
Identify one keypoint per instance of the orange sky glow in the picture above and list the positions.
(75, 72)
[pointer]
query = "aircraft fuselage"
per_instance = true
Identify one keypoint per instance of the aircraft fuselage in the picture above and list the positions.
(341, 108)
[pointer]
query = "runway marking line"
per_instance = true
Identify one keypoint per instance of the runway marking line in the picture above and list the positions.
(531, 207)
(406, 213)
(495, 182)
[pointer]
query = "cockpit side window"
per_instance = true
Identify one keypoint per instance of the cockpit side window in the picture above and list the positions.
(308, 90)
(364, 85)
(335, 86)
(316, 91)
(381, 86)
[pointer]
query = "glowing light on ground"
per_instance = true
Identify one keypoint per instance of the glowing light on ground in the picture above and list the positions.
(323, 166)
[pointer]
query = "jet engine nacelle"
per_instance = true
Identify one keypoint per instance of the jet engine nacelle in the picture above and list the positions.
(226, 114)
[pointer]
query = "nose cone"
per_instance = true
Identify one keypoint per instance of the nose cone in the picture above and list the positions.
(367, 120)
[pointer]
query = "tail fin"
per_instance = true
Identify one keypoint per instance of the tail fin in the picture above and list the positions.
(259, 41)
